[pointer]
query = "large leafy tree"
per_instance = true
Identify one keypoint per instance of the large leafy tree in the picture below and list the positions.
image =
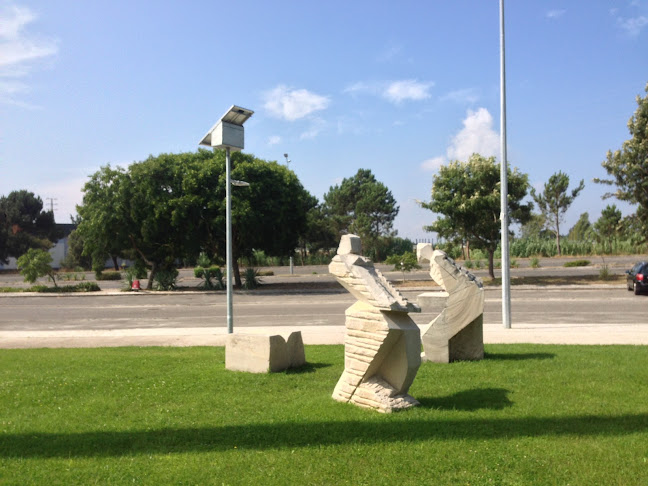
(628, 167)
(554, 201)
(172, 207)
(319, 233)
(269, 215)
(364, 206)
(24, 225)
(104, 215)
(466, 198)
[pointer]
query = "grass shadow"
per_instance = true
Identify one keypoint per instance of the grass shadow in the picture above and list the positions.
(517, 356)
(307, 368)
(267, 436)
(471, 400)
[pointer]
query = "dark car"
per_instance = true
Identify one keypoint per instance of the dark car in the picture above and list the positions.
(637, 278)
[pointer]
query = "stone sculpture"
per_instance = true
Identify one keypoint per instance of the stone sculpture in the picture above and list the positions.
(457, 333)
(261, 353)
(382, 343)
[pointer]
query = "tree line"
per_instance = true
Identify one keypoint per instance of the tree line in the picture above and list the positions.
(171, 208)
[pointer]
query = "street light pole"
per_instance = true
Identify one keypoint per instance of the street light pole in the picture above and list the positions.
(228, 134)
(506, 270)
(228, 241)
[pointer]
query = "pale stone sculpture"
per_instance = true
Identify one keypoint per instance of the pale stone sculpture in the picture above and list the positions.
(382, 343)
(457, 333)
(260, 353)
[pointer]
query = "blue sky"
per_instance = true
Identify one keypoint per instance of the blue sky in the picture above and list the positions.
(398, 88)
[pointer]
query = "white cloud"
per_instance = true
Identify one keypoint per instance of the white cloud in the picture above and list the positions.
(394, 91)
(390, 53)
(554, 14)
(315, 128)
(292, 104)
(362, 87)
(409, 89)
(631, 22)
(476, 136)
(274, 140)
(19, 51)
(462, 96)
(633, 26)
(431, 165)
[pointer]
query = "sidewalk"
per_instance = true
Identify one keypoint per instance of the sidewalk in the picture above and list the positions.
(635, 334)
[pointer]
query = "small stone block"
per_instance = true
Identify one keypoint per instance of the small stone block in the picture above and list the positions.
(259, 353)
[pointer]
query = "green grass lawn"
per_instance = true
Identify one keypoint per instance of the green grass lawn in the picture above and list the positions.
(527, 414)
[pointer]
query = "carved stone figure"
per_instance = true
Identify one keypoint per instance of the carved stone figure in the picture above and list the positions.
(457, 333)
(382, 343)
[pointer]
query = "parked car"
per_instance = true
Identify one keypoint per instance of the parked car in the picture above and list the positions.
(637, 278)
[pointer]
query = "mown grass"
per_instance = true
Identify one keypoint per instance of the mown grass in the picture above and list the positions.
(527, 414)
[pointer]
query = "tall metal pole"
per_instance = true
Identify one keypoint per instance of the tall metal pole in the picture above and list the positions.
(506, 269)
(228, 237)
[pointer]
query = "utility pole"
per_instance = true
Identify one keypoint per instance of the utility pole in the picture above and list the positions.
(52, 203)
(292, 269)
(506, 269)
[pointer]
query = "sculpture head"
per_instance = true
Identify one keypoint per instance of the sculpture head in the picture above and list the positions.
(350, 245)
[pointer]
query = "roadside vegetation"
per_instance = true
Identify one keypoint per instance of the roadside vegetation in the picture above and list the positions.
(526, 414)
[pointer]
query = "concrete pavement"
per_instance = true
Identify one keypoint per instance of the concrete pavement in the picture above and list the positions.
(555, 333)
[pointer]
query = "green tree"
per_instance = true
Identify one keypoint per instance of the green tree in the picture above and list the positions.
(318, 233)
(36, 263)
(269, 215)
(581, 230)
(24, 224)
(629, 165)
(74, 256)
(466, 196)
(104, 215)
(172, 207)
(608, 226)
(534, 228)
(363, 206)
(554, 201)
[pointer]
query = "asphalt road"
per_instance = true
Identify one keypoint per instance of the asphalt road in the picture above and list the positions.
(610, 305)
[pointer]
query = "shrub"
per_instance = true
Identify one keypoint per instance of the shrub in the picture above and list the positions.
(110, 275)
(80, 287)
(577, 263)
(130, 274)
(212, 277)
(604, 273)
(165, 279)
(514, 263)
(534, 262)
(250, 278)
(469, 264)
(36, 263)
(405, 262)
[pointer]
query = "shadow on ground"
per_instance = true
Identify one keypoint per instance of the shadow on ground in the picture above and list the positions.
(517, 356)
(308, 434)
(470, 400)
